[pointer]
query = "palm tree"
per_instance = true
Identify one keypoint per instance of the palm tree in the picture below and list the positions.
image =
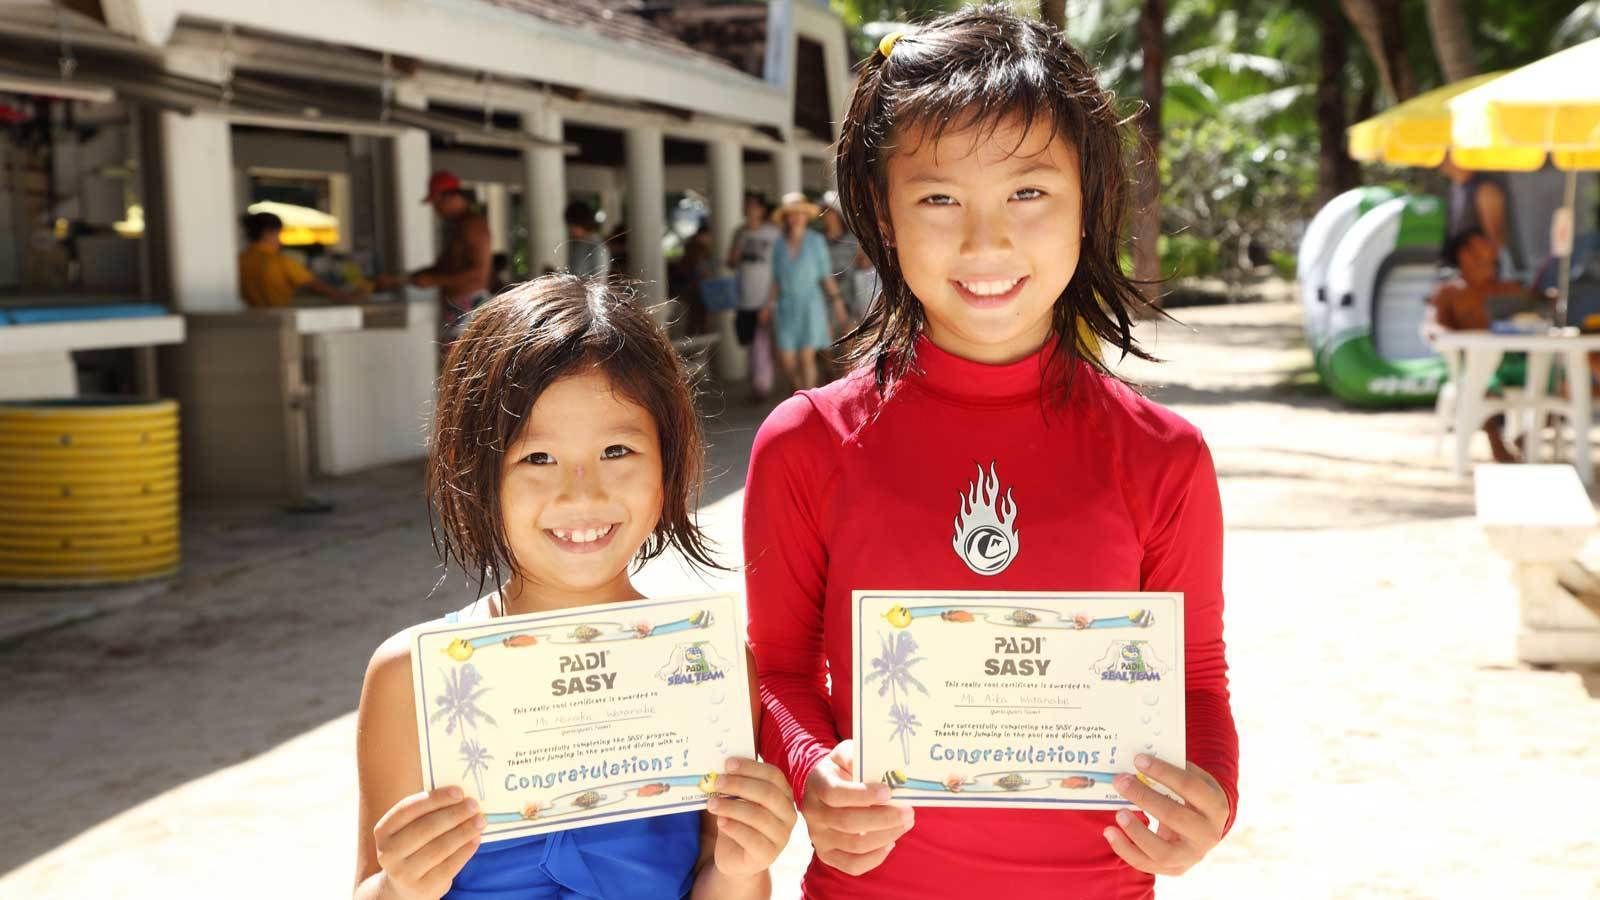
(1379, 25)
(1452, 42)
(1147, 209)
(477, 760)
(892, 670)
(458, 705)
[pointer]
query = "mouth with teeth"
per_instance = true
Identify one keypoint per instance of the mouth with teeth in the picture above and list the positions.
(988, 293)
(583, 540)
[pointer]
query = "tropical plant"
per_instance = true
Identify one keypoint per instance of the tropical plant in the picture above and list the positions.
(477, 760)
(458, 705)
(892, 670)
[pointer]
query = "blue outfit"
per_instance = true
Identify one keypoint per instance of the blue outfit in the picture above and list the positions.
(642, 859)
(802, 319)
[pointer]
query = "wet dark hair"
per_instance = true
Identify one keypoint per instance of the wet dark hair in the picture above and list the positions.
(1458, 243)
(259, 225)
(517, 345)
(975, 70)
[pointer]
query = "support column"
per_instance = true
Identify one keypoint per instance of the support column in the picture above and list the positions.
(414, 221)
(545, 199)
(727, 212)
(646, 213)
(202, 230)
(786, 165)
(727, 192)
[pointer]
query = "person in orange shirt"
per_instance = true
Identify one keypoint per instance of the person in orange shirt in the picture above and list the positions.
(267, 278)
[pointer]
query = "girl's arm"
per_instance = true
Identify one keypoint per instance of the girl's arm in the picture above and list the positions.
(409, 843)
(761, 814)
(785, 587)
(1183, 552)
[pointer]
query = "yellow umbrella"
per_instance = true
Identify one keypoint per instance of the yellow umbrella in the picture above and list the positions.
(1413, 133)
(1550, 107)
(302, 225)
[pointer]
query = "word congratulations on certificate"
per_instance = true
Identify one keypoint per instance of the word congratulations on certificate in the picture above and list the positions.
(1011, 699)
(584, 716)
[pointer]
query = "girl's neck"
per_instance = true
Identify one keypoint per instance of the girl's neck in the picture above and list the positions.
(522, 595)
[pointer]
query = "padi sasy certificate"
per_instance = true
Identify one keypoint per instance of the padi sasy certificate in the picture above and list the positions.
(587, 715)
(1011, 699)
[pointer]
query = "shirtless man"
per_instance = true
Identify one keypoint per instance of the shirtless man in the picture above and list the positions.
(1462, 304)
(465, 264)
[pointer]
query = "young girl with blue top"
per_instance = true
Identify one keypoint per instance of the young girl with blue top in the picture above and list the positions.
(565, 451)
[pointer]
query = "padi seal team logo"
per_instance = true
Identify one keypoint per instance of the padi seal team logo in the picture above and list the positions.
(1130, 661)
(692, 664)
(984, 538)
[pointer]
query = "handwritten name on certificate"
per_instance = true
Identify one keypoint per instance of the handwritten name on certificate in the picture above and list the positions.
(584, 716)
(1011, 699)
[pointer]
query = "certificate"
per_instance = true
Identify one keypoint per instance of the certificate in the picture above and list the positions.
(1009, 699)
(584, 716)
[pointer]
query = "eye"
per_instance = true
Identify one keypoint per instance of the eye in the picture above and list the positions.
(1028, 194)
(938, 200)
(539, 458)
(616, 451)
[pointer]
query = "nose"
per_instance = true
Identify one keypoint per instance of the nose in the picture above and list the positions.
(582, 484)
(985, 232)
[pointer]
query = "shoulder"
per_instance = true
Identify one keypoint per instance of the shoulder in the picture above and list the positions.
(1148, 431)
(389, 670)
(818, 422)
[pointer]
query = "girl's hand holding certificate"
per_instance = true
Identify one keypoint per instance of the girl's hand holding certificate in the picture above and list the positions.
(755, 813)
(1188, 830)
(852, 825)
(425, 839)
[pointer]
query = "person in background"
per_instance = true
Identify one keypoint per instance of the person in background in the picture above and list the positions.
(750, 257)
(796, 305)
(464, 266)
(268, 278)
(587, 255)
(697, 263)
(1462, 304)
(844, 251)
(1477, 201)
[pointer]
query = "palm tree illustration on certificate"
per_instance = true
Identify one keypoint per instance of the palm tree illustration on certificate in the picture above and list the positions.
(892, 670)
(457, 707)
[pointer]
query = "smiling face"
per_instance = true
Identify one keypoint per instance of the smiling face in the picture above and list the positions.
(580, 492)
(986, 228)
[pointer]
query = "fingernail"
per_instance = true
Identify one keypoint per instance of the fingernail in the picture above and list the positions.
(732, 765)
(880, 793)
(1124, 818)
(472, 805)
(1123, 782)
(712, 804)
(1109, 833)
(452, 793)
(480, 821)
(1142, 761)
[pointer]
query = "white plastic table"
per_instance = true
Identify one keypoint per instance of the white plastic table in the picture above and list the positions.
(1478, 354)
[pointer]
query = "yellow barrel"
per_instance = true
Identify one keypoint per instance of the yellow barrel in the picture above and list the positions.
(88, 491)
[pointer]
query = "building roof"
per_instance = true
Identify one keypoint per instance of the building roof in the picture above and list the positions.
(611, 21)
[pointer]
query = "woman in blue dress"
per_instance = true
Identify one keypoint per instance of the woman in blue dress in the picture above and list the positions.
(565, 450)
(801, 275)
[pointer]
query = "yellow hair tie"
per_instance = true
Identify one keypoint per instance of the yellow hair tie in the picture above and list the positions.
(886, 46)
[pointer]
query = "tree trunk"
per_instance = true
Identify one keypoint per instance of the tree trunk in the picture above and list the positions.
(1336, 171)
(1452, 42)
(1147, 213)
(1054, 13)
(1378, 23)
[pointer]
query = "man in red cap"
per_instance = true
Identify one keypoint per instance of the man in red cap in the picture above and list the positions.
(463, 268)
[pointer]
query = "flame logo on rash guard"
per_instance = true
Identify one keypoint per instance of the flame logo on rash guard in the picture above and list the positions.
(984, 538)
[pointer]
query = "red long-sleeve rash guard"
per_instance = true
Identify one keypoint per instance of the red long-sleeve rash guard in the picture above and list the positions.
(1112, 493)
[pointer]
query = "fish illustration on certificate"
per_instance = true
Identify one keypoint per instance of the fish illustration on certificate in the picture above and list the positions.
(1015, 699)
(587, 715)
